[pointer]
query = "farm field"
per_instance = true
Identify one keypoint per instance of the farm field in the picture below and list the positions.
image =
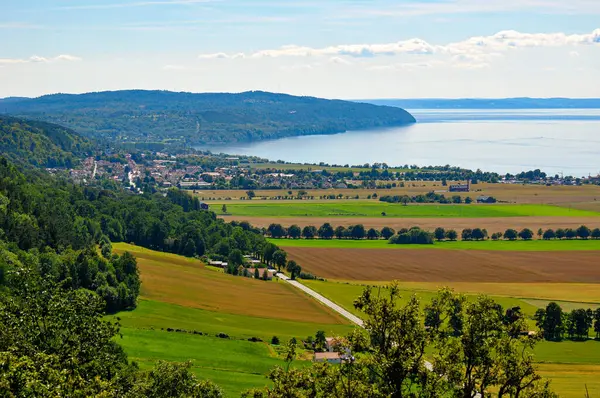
(180, 293)
(375, 209)
(584, 197)
(179, 280)
(433, 265)
(570, 365)
(234, 365)
(532, 245)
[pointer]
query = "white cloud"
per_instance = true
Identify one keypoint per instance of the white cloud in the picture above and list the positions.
(38, 59)
(574, 54)
(474, 52)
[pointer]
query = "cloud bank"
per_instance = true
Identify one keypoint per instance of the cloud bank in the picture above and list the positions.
(474, 49)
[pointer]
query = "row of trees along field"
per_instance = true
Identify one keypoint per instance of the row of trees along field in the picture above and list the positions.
(583, 232)
(327, 231)
(556, 324)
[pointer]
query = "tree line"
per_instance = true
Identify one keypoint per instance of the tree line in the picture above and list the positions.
(555, 324)
(358, 232)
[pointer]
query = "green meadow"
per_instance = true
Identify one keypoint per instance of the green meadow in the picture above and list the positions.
(374, 209)
(500, 245)
(158, 315)
(233, 364)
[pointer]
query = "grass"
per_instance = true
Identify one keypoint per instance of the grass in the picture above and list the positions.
(571, 381)
(181, 293)
(186, 282)
(501, 245)
(234, 365)
(344, 294)
(374, 209)
(156, 315)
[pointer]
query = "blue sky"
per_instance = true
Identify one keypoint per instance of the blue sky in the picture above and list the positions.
(329, 48)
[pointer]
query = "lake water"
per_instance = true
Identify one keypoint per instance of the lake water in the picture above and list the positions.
(556, 141)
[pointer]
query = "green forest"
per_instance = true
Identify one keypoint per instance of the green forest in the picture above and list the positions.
(187, 119)
(41, 144)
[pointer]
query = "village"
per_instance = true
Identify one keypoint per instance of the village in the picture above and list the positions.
(158, 171)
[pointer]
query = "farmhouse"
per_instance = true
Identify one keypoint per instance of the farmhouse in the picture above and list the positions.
(331, 343)
(261, 272)
(331, 357)
(460, 187)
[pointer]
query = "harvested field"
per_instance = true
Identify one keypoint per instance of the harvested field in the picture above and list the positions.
(430, 265)
(178, 280)
(492, 224)
(576, 196)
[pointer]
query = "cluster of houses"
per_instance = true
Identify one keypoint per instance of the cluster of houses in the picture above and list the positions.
(253, 265)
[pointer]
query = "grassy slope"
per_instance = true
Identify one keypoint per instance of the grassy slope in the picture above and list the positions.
(233, 365)
(159, 315)
(533, 245)
(374, 209)
(180, 293)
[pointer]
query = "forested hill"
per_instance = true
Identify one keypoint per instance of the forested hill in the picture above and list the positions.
(41, 144)
(163, 116)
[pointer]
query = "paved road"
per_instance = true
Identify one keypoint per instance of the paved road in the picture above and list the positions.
(353, 318)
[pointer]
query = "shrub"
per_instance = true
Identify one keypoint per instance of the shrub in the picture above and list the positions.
(223, 336)
(275, 340)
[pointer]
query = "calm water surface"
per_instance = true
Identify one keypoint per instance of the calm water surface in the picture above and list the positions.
(555, 141)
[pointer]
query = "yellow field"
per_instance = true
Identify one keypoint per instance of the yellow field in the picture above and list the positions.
(568, 292)
(571, 380)
(178, 280)
(584, 197)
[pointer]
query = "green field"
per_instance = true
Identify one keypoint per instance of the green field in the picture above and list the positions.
(501, 245)
(181, 293)
(156, 315)
(374, 209)
(234, 365)
(344, 294)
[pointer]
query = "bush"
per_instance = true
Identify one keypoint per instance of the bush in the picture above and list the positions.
(223, 336)
(415, 236)
(275, 340)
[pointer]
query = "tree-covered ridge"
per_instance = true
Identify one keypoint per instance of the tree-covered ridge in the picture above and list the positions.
(41, 144)
(156, 116)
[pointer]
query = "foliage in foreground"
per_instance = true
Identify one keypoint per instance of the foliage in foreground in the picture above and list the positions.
(55, 342)
(477, 348)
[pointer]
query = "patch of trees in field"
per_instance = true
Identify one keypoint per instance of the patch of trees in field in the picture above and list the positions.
(556, 324)
(430, 197)
(478, 234)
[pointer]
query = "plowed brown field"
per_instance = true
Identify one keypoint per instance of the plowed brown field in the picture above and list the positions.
(426, 265)
(492, 224)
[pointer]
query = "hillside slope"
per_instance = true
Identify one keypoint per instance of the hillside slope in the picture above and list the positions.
(40, 144)
(163, 116)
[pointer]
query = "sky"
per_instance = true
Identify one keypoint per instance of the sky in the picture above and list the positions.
(348, 49)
